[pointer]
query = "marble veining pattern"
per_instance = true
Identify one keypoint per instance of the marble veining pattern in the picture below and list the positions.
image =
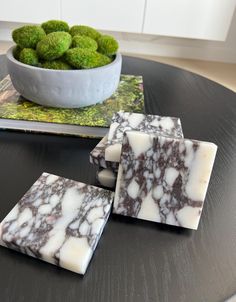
(97, 156)
(163, 179)
(126, 121)
(58, 220)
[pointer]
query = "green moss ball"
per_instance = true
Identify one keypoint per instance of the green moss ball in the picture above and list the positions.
(29, 56)
(54, 45)
(16, 52)
(84, 58)
(28, 36)
(84, 42)
(55, 25)
(104, 60)
(107, 45)
(56, 64)
(83, 30)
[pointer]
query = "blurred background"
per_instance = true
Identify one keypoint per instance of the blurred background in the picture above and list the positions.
(197, 35)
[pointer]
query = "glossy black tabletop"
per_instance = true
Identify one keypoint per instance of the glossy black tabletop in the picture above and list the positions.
(135, 260)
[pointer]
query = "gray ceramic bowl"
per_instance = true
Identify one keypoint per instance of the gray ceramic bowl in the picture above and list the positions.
(64, 88)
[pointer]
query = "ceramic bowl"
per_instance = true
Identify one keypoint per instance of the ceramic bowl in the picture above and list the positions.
(64, 88)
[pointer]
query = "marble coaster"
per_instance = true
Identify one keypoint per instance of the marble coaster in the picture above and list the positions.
(59, 221)
(97, 156)
(126, 121)
(163, 179)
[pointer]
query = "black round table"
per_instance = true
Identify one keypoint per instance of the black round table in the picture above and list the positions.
(135, 260)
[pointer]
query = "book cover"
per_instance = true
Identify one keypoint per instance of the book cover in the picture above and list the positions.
(21, 114)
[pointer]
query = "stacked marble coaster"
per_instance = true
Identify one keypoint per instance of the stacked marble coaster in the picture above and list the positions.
(162, 177)
(126, 121)
(59, 221)
(106, 155)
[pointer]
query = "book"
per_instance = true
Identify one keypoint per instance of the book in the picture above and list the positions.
(17, 113)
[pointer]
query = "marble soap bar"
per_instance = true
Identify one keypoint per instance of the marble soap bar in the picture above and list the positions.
(163, 179)
(126, 121)
(97, 156)
(107, 178)
(59, 221)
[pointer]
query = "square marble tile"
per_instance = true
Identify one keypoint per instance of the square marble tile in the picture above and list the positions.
(59, 221)
(163, 179)
(126, 121)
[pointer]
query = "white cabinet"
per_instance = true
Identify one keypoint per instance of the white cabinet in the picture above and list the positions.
(197, 19)
(114, 15)
(200, 19)
(29, 11)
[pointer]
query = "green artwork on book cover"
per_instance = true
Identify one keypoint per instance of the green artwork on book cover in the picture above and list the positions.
(128, 97)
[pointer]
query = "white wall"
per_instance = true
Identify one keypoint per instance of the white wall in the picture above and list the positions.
(165, 46)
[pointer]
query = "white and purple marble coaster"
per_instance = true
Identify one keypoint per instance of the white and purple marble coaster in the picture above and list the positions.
(126, 121)
(107, 178)
(97, 156)
(59, 221)
(163, 179)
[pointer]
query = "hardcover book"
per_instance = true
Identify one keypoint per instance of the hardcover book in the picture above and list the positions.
(18, 113)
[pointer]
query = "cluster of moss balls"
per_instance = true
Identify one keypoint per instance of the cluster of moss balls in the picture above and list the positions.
(54, 45)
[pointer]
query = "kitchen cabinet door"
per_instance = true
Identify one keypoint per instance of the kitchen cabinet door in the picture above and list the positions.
(29, 11)
(119, 15)
(200, 19)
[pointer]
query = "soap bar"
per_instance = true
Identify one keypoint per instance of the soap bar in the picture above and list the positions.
(126, 121)
(163, 179)
(59, 221)
(97, 156)
(107, 178)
